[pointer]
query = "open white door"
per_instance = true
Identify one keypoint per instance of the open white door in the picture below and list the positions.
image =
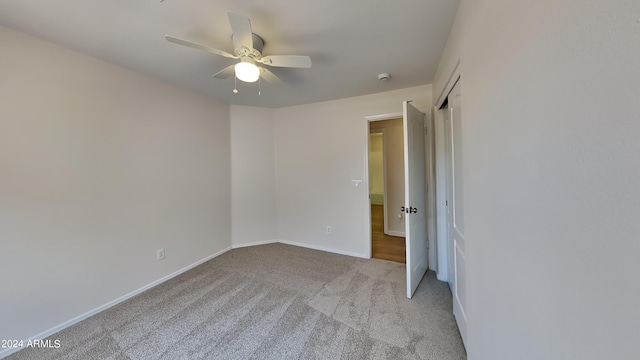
(415, 210)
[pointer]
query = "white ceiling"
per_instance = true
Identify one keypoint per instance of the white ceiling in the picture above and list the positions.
(350, 41)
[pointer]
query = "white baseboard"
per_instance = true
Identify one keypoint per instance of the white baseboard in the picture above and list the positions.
(255, 243)
(315, 247)
(6, 352)
(396, 233)
(293, 243)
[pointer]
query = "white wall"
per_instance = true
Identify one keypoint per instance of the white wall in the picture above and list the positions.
(376, 164)
(253, 177)
(394, 133)
(320, 148)
(552, 165)
(99, 168)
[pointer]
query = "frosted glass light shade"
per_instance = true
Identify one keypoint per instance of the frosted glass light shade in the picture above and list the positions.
(247, 72)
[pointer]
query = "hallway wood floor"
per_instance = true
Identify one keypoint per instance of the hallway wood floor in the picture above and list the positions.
(383, 246)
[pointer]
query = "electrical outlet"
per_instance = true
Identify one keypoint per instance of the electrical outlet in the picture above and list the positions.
(328, 229)
(160, 254)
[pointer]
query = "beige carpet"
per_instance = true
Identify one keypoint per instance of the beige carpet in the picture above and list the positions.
(272, 302)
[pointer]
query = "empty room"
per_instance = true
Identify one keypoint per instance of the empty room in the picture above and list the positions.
(192, 179)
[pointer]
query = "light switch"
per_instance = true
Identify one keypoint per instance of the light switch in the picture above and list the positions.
(356, 183)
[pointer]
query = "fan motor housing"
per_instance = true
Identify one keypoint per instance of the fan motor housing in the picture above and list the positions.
(258, 45)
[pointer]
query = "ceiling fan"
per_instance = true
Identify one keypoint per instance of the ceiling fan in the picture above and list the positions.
(248, 49)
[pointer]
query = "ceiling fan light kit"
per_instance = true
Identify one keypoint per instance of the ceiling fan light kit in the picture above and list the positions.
(247, 71)
(248, 49)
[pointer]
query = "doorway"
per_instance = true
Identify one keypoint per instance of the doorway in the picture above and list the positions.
(386, 189)
(413, 211)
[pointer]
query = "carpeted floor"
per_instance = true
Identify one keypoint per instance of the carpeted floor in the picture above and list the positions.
(272, 302)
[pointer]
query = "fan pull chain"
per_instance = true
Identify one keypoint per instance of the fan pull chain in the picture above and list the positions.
(235, 86)
(259, 92)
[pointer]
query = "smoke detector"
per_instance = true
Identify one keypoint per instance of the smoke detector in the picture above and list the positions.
(384, 77)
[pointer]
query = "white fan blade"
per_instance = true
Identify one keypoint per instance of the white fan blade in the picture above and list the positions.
(292, 61)
(199, 47)
(225, 73)
(241, 28)
(270, 77)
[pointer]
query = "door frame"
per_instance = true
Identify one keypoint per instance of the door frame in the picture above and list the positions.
(432, 200)
(367, 121)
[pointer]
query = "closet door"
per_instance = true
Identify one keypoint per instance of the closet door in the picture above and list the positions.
(456, 209)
